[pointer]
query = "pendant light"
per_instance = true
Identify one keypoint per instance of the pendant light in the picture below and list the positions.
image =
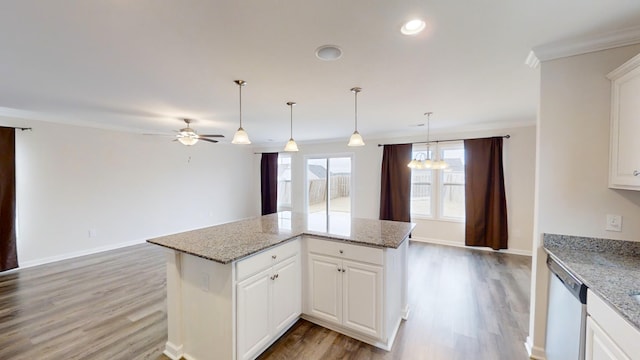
(422, 161)
(241, 137)
(356, 138)
(291, 144)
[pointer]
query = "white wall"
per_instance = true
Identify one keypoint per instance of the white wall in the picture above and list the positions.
(571, 191)
(128, 187)
(519, 165)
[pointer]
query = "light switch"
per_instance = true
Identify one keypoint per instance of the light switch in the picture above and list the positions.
(614, 223)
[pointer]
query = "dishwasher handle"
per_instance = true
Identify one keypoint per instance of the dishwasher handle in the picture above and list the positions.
(575, 286)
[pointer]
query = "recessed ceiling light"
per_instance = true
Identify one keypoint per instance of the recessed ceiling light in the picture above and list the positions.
(328, 52)
(412, 27)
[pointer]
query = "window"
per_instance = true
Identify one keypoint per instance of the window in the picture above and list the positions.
(284, 182)
(328, 202)
(439, 194)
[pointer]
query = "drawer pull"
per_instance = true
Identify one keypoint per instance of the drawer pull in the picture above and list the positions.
(341, 252)
(636, 173)
(274, 256)
(339, 269)
(344, 270)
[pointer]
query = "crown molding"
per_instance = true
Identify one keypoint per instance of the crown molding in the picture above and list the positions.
(633, 63)
(583, 45)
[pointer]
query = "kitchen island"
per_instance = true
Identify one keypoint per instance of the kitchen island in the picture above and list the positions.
(234, 289)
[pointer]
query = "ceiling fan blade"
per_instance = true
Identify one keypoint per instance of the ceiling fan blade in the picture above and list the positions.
(215, 135)
(209, 140)
(159, 135)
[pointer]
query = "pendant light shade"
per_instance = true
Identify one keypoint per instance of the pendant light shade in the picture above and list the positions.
(241, 137)
(291, 144)
(356, 138)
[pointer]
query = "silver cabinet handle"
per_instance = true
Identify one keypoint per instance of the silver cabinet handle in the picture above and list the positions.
(636, 173)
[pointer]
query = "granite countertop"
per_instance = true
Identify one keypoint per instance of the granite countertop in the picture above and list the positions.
(235, 240)
(610, 268)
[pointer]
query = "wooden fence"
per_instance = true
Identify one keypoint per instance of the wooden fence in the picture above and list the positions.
(339, 186)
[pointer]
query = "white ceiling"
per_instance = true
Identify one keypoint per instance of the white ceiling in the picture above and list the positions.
(142, 65)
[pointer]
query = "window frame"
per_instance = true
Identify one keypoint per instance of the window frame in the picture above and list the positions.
(437, 182)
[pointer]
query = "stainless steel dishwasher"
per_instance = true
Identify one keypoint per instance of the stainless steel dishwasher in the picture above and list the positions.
(566, 314)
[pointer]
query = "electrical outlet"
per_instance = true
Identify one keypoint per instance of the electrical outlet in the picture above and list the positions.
(614, 223)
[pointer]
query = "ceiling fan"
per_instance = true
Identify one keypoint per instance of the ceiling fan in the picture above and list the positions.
(188, 136)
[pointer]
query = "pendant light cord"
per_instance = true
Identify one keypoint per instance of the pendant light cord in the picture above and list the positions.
(291, 122)
(240, 88)
(356, 90)
(428, 133)
(356, 110)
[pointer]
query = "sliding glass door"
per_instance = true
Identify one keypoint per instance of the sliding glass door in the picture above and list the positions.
(329, 193)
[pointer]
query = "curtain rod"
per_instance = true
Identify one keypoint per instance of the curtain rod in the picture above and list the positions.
(17, 128)
(448, 140)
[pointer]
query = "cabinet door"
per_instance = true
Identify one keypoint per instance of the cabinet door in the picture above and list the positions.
(286, 287)
(253, 300)
(325, 288)
(362, 302)
(625, 126)
(599, 345)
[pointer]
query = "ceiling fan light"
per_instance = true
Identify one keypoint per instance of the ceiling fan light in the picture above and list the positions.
(188, 140)
(241, 137)
(291, 146)
(356, 139)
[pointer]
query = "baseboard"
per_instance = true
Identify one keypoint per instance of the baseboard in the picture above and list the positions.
(172, 351)
(460, 245)
(75, 254)
(534, 352)
(405, 313)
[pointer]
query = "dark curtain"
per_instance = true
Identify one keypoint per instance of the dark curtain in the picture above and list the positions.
(269, 183)
(485, 200)
(395, 189)
(8, 252)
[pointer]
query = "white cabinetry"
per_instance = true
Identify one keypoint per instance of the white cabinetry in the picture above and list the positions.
(609, 336)
(344, 289)
(624, 162)
(268, 297)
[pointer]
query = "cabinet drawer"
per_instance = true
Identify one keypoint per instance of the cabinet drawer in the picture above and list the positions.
(266, 258)
(344, 250)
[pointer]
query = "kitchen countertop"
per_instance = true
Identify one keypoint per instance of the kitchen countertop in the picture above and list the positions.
(235, 240)
(610, 268)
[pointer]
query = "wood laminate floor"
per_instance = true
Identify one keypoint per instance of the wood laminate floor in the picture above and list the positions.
(465, 304)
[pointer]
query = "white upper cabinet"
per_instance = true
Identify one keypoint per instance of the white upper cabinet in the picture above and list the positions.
(624, 161)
